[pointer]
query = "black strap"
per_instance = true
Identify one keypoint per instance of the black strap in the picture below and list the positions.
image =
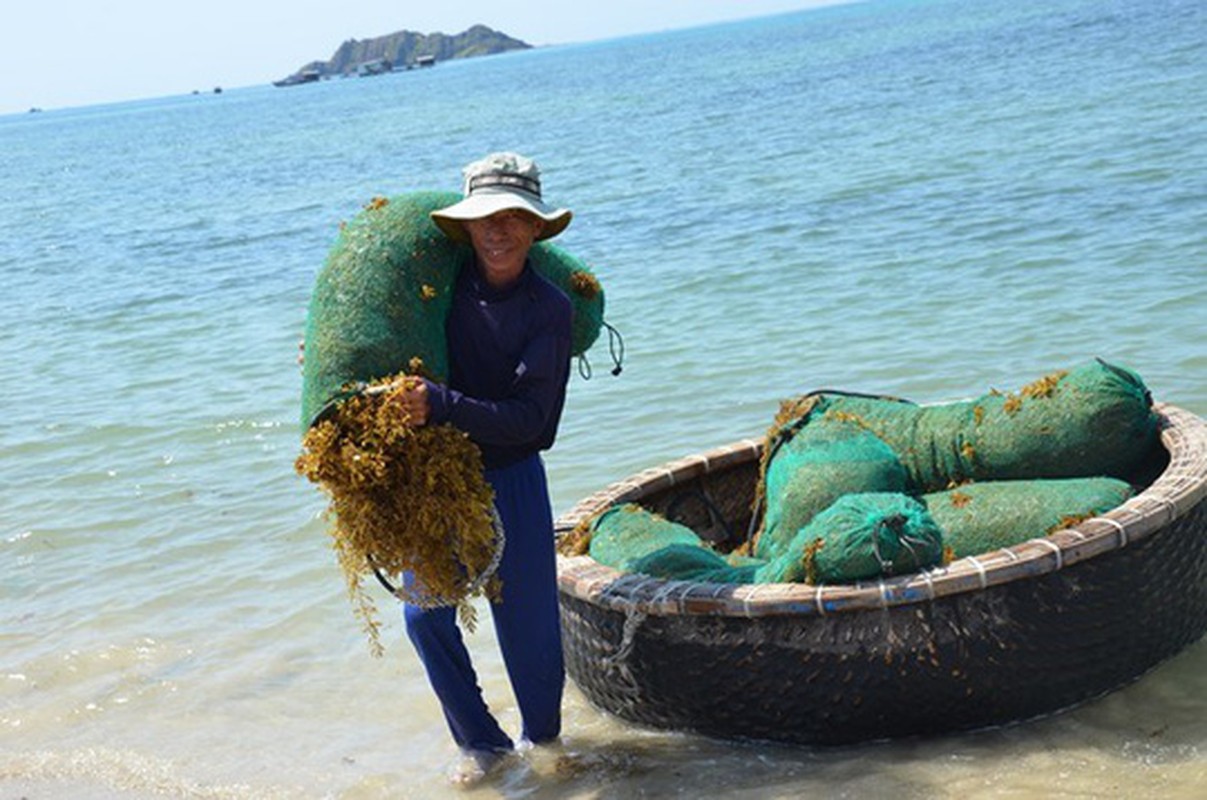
(615, 349)
(381, 578)
(715, 516)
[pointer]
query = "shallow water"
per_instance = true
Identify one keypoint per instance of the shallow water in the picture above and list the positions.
(919, 199)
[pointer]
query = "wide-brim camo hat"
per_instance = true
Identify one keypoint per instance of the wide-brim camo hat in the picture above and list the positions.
(500, 182)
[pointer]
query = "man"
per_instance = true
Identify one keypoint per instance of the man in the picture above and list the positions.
(508, 334)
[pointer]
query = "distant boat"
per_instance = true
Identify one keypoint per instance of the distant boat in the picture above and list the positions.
(305, 76)
(420, 61)
(377, 66)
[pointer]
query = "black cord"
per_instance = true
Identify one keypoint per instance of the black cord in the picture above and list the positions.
(391, 588)
(613, 338)
(615, 349)
(715, 516)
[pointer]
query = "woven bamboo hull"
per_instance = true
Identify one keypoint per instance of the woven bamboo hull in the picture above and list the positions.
(996, 639)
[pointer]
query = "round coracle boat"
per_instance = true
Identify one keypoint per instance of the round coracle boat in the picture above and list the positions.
(987, 640)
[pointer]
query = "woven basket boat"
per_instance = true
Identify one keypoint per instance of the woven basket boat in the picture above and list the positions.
(988, 640)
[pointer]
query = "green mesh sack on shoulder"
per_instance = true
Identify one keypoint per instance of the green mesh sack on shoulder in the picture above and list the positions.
(381, 299)
(681, 562)
(861, 536)
(1096, 419)
(625, 533)
(812, 468)
(981, 517)
(578, 282)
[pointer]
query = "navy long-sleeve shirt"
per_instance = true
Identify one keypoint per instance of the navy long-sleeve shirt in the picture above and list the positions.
(509, 360)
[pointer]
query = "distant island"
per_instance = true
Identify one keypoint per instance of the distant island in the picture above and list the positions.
(403, 50)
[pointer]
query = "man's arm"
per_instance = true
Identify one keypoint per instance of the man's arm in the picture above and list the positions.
(535, 394)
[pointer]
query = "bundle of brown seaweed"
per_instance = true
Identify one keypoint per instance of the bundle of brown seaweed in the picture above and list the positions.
(403, 498)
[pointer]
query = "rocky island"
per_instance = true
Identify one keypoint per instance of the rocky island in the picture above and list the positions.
(403, 50)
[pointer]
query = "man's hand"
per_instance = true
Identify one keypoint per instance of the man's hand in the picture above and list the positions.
(412, 396)
(415, 399)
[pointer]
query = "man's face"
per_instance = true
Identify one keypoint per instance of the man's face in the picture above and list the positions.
(501, 242)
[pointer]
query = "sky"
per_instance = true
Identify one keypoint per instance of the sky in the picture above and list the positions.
(61, 53)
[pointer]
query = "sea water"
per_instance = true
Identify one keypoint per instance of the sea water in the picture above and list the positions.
(923, 199)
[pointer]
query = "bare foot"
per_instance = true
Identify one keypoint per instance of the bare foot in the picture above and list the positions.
(475, 766)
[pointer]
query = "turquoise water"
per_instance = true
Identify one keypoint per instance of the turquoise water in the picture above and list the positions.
(925, 199)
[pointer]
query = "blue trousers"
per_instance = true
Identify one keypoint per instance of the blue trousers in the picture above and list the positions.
(526, 623)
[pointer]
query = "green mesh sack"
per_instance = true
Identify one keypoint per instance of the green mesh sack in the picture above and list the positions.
(861, 536)
(380, 301)
(811, 469)
(682, 562)
(981, 517)
(737, 559)
(625, 533)
(1096, 419)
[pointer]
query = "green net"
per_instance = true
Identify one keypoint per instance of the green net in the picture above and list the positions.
(862, 535)
(865, 535)
(625, 533)
(981, 517)
(811, 469)
(858, 536)
(842, 475)
(683, 562)
(379, 303)
(1096, 419)
(630, 538)
(736, 559)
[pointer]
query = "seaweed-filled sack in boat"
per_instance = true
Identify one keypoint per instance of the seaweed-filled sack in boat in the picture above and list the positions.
(625, 533)
(404, 498)
(861, 535)
(631, 538)
(685, 562)
(808, 468)
(1095, 419)
(979, 517)
(843, 477)
(868, 535)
